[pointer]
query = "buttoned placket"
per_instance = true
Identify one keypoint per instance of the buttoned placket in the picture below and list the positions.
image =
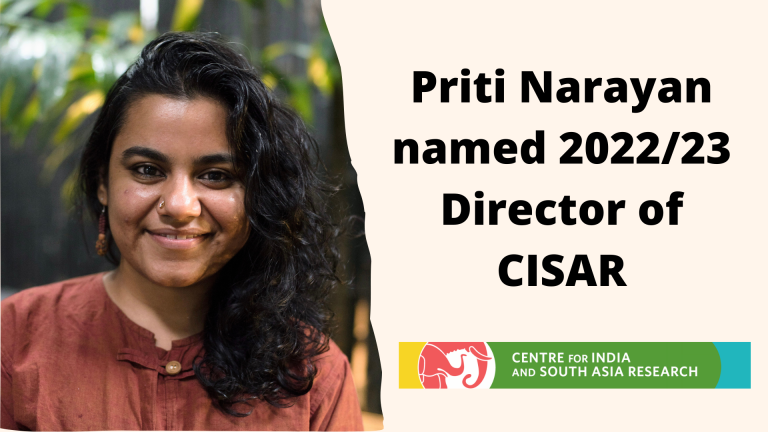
(160, 373)
(160, 387)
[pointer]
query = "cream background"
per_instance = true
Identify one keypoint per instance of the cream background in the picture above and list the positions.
(699, 281)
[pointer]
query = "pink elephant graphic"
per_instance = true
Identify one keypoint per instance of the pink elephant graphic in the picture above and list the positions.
(435, 367)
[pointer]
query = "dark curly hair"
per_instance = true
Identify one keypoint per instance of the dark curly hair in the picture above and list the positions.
(268, 316)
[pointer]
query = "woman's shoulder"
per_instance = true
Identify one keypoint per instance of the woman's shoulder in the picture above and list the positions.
(56, 295)
(42, 306)
(334, 404)
(331, 363)
(332, 367)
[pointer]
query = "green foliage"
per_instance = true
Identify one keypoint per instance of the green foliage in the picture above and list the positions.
(54, 75)
(185, 15)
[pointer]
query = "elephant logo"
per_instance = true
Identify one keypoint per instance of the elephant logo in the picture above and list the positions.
(456, 365)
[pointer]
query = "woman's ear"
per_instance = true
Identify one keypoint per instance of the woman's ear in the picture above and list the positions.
(101, 193)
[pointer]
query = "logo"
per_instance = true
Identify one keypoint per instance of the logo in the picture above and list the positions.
(456, 365)
(656, 365)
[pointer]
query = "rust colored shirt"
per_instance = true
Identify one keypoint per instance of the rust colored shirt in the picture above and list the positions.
(71, 360)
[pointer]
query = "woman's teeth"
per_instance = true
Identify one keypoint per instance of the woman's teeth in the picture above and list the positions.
(181, 237)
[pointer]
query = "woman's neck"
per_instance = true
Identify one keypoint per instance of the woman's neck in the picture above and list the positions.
(171, 313)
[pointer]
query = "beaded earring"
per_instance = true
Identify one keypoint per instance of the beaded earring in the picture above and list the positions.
(101, 243)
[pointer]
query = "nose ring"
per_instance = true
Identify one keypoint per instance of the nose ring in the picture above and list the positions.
(162, 204)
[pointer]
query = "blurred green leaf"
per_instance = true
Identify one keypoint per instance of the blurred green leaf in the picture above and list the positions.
(109, 59)
(269, 80)
(69, 190)
(5, 98)
(326, 50)
(78, 10)
(300, 98)
(100, 28)
(185, 15)
(18, 9)
(273, 51)
(82, 70)
(319, 73)
(277, 49)
(120, 25)
(61, 48)
(77, 112)
(56, 158)
(44, 8)
(29, 115)
(257, 4)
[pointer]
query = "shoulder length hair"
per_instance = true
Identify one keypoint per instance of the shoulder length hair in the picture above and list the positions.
(268, 315)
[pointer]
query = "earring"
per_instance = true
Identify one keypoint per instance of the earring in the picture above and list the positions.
(101, 243)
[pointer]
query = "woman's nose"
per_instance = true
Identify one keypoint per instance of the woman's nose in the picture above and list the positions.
(181, 200)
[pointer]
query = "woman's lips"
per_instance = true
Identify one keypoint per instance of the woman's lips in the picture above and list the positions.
(178, 241)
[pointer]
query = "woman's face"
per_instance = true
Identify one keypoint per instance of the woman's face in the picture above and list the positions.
(176, 210)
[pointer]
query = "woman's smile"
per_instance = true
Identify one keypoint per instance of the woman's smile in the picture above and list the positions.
(172, 239)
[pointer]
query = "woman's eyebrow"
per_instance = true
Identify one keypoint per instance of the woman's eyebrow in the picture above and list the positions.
(145, 152)
(213, 159)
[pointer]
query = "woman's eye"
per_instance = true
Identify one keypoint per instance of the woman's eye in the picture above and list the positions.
(147, 171)
(216, 177)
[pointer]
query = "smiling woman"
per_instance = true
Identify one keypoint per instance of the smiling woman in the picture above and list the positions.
(177, 212)
(215, 316)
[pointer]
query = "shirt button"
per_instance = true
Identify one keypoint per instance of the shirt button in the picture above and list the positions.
(173, 367)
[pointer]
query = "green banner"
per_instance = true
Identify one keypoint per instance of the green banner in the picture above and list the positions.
(605, 364)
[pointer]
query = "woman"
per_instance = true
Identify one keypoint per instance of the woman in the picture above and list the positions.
(215, 316)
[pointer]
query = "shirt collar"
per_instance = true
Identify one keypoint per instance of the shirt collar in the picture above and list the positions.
(140, 349)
